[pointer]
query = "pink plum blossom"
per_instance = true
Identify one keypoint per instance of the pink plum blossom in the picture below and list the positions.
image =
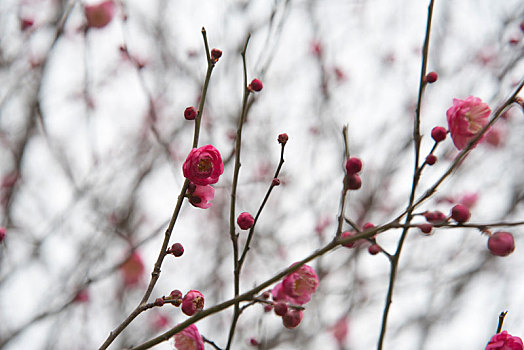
(98, 16)
(189, 339)
(504, 341)
(301, 284)
(203, 165)
(465, 119)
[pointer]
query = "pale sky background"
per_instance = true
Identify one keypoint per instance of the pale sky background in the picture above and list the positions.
(83, 168)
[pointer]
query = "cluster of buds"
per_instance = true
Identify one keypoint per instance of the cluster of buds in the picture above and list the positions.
(191, 303)
(352, 181)
(373, 249)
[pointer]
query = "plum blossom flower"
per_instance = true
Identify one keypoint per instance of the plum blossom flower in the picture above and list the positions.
(504, 341)
(189, 339)
(465, 119)
(201, 196)
(98, 16)
(203, 165)
(300, 285)
(193, 301)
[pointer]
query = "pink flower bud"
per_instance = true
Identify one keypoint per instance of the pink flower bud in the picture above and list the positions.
(282, 138)
(431, 77)
(98, 16)
(504, 341)
(426, 228)
(367, 226)
(374, 249)
(275, 182)
(216, 54)
(292, 318)
(431, 159)
(438, 133)
(268, 308)
(353, 182)
(435, 217)
(280, 308)
(203, 166)
(2, 234)
(190, 113)
(193, 301)
(177, 249)
(245, 221)
(465, 119)
(353, 165)
(348, 234)
(189, 339)
(176, 297)
(501, 243)
(256, 85)
(460, 213)
(253, 342)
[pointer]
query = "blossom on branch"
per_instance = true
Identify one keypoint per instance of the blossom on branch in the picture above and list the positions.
(300, 285)
(189, 339)
(203, 165)
(201, 196)
(193, 301)
(505, 341)
(465, 120)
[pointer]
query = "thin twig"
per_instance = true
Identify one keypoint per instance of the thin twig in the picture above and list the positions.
(233, 235)
(416, 176)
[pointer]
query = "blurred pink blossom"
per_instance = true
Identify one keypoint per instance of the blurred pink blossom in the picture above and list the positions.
(189, 339)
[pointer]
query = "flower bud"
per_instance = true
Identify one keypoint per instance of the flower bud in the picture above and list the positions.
(177, 249)
(353, 165)
(374, 249)
(460, 213)
(353, 182)
(292, 318)
(431, 159)
(438, 133)
(280, 308)
(216, 54)
(256, 85)
(275, 182)
(501, 243)
(431, 77)
(282, 138)
(425, 228)
(190, 113)
(245, 221)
